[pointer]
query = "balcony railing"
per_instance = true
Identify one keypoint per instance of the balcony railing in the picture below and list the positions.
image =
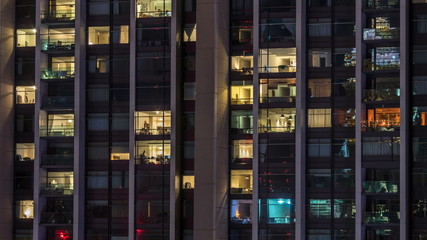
(57, 73)
(277, 69)
(370, 65)
(244, 71)
(57, 131)
(241, 130)
(147, 160)
(57, 159)
(381, 94)
(381, 4)
(57, 217)
(58, 102)
(270, 99)
(241, 101)
(240, 190)
(150, 14)
(381, 217)
(380, 187)
(157, 131)
(381, 125)
(60, 15)
(56, 189)
(283, 129)
(58, 45)
(380, 34)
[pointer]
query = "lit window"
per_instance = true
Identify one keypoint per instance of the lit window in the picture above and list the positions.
(277, 120)
(25, 95)
(153, 152)
(319, 87)
(188, 182)
(58, 125)
(153, 123)
(319, 57)
(277, 211)
(241, 182)
(58, 68)
(121, 34)
(25, 209)
(242, 149)
(320, 208)
(58, 39)
(241, 211)
(153, 8)
(242, 93)
(241, 122)
(190, 33)
(58, 183)
(382, 119)
(25, 151)
(275, 60)
(99, 35)
(119, 151)
(26, 37)
(242, 64)
(319, 117)
(278, 90)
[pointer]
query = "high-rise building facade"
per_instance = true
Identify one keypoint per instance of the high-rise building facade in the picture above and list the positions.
(213, 119)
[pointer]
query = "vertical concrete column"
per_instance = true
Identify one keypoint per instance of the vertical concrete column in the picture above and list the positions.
(7, 77)
(38, 232)
(211, 130)
(132, 99)
(79, 122)
(360, 109)
(176, 143)
(404, 119)
(300, 131)
(255, 136)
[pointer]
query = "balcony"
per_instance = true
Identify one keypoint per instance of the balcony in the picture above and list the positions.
(382, 4)
(153, 8)
(380, 187)
(57, 73)
(57, 131)
(381, 126)
(380, 34)
(377, 95)
(58, 45)
(58, 102)
(389, 65)
(57, 218)
(57, 189)
(58, 159)
(60, 13)
(381, 217)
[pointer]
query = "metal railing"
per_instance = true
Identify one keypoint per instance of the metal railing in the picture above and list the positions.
(380, 34)
(381, 4)
(380, 187)
(381, 217)
(58, 44)
(381, 94)
(56, 189)
(57, 131)
(381, 125)
(57, 73)
(62, 15)
(370, 65)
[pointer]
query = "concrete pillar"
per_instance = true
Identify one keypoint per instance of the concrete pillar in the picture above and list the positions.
(211, 131)
(7, 73)
(300, 128)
